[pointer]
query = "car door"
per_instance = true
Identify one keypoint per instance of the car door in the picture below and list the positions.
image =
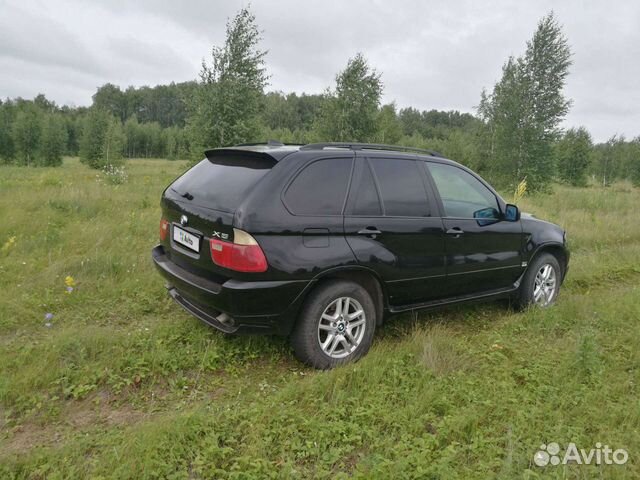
(393, 228)
(311, 238)
(483, 251)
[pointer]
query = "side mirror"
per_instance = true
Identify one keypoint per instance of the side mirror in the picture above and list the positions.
(511, 213)
(486, 216)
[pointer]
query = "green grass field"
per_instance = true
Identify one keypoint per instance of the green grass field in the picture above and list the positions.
(124, 384)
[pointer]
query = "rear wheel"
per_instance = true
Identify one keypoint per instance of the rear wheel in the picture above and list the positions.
(336, 325)
(541, 283)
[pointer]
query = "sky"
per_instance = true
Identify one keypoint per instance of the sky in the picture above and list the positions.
(432, 54)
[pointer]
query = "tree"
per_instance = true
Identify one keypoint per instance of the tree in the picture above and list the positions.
(43, 104)
(573, 155)
(102, 140)
(7, 117)
(113, 143)
(73, 119)
(92, 137)
(279, 111)
(110, 98)
(606, 157)
(308, 108)
(351, 111)
(53, 141)
(177, 144)
(133, 145)
(634, 165)
(411, 121)
(144, 139)
(526, 107)
(25, 133)
(462, 146)
(290, 118)
(155, 145)
(388, 128)
(226, 104)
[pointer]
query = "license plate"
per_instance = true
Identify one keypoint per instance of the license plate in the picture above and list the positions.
(186, 239)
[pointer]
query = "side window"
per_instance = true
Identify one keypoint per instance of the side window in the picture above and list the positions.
(401, 186)
(320, 188)
(462, 194)
(365, 195)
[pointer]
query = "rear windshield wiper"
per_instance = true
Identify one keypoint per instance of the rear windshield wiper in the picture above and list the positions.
(186, 195)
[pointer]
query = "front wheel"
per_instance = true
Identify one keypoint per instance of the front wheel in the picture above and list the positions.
(336, 325)
(541, 283)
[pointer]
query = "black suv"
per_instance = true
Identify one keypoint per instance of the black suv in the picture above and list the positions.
(322, 242)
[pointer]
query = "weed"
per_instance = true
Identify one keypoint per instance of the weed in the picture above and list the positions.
(123, 384)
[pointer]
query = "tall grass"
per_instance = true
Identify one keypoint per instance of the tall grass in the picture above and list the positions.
(120, 383)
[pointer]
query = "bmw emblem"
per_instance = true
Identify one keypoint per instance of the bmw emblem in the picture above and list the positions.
(183, 220)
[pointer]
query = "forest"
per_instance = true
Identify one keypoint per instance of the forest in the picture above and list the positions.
(102, 376)
(514, 133)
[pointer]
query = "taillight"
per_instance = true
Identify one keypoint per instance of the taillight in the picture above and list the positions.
(164, 229)
(242, 255)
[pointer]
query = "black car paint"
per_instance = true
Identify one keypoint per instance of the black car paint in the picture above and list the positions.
(415, 262)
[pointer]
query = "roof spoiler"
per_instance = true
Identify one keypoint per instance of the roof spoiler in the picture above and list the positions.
(240, 157)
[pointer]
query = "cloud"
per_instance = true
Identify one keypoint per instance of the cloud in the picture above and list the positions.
(26, 79)
(143, 60)
(432, 54)
(34, 38)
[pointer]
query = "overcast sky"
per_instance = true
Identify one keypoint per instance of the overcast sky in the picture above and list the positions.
(432, 54)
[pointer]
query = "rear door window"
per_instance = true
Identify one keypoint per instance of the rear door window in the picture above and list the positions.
(320, 188)
(401, 186)
(223, 182)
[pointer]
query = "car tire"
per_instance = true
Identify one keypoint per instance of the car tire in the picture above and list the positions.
(541, 282)
(336, 325)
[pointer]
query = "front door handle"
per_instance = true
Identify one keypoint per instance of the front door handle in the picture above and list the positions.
(455, 231)
(369, 231)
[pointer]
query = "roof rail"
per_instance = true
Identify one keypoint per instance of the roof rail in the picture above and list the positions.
(368, 146)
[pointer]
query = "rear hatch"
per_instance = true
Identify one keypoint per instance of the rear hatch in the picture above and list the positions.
(201, 204)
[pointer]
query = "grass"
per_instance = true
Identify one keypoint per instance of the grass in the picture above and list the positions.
(123, 384)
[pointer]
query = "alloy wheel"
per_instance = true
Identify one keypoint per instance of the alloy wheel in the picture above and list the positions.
(545, 285)
(341, 327)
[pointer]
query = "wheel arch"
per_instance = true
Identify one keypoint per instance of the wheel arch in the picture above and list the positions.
(364, 277)
(558, 250)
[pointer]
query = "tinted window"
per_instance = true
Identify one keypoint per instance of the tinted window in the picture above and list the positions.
(462, 194)
(365, 194)
(401, 187)
(223, 182)
(320, 188)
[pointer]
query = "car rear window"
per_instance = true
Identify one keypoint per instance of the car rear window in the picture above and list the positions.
(222, 182)
(320, 188)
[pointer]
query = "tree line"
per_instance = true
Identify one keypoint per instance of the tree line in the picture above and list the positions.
(514, 134)
(39, 132)
(137, 122)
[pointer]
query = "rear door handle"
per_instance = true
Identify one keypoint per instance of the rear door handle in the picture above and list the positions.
(456, 231)
(369, 231)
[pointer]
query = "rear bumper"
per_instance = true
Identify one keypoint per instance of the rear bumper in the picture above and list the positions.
(233, 306)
